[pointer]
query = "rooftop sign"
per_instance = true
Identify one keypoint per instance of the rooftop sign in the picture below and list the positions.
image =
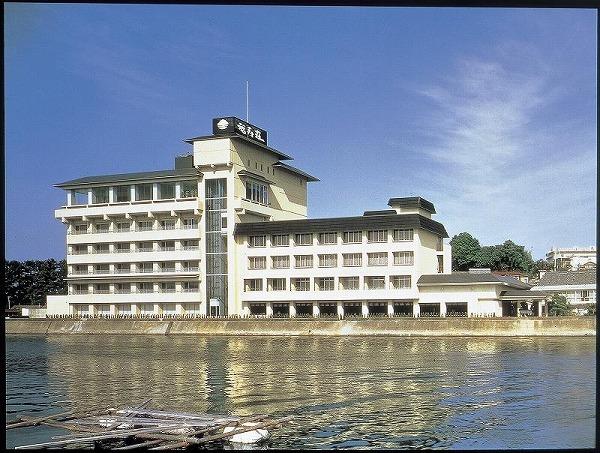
(232, 125)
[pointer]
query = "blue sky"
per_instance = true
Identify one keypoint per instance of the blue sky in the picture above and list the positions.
(488, 113)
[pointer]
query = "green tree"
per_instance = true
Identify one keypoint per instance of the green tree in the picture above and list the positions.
(28, 282)
(559, 306)
(465, 251)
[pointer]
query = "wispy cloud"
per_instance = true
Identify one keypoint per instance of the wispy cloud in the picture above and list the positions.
(505, 161)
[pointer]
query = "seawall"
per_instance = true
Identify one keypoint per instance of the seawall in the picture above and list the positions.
(445, 327)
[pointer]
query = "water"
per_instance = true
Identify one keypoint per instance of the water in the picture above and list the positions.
(345, 392)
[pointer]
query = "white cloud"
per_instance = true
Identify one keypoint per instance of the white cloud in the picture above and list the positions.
(507, 163)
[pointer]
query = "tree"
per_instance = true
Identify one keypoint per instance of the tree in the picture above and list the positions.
(28, 282)
(466, 251)
(559, 306)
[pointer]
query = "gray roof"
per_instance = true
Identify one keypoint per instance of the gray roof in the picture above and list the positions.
(295, 170)
(519, 293)
(280, 155)
(465, 278)
(559, 278)
(412, 202)
(125, 177)
(381, 212)
(341, 224)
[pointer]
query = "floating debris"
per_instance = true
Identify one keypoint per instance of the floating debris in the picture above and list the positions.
(133, 428)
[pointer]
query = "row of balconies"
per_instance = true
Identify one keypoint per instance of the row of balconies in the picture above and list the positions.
(130, 250)
(130, 230)
(394, 282)
(138, 271)
(139, 291)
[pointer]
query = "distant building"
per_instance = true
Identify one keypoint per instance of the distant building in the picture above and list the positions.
(579, 287)
(519, 275)
(572, 258)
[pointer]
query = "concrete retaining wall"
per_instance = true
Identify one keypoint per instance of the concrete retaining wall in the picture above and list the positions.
(560, 326)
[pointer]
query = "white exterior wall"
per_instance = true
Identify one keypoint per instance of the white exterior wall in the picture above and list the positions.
(578, 256)
(573, 293)
(482, 300)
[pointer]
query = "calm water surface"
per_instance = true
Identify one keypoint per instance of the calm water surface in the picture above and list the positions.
(344, 392)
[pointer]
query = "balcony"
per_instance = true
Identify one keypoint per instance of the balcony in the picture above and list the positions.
(101, 291)
(166, 269)
(167, 290)
(190, 269)
(189, 247)
(166, 249)
(80, 291)
(144, 228)
(122, 291)
(122, 250)
(122, 271)
(145, 249)
(145, 270)
(145, 290)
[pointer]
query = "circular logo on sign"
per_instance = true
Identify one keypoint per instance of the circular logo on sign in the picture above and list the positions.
(222, 124)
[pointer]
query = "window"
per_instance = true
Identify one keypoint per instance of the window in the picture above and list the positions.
(122, 193)
(352, 237)
(349, 283)
(166, 246)
(190, 287)
(189, 189)
(257, 262)
(122, 288)
(167, 287)
(324, 284)
(377, 259)
(375, 282)
(277, 284)
(100, 195)
(101, 269)
(439, 246)
(304, 261)
(167, 224)
(280, 240)
(253, 284)
(81, 228)
(143, 192)
(80, 196)
(101, 248)
(327, 238)
(281, 262)
(80, 289)
(144, 225)
(440, 266)
(145, 287)
(403, 258)
(79, 270)
(257, 241)
(168, 266)
(144, 247)
(189, 266)
(403, 235)
(81, 249)
(123, 227)
(400, 281)
(145, 268)
(328, 260)
(122, 247)
(301, 284)
(166, 190)
(303, 239)
(101, 288)
(585, 295)
(190, 224)
(352, 259)
(189, 245)
(122, 268)
(377, 236)
(257, 192)
(102, 228)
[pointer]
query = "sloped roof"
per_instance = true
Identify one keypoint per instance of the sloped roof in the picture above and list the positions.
(124, 177)
(465, 278)
(559, 278)
(341, 224)
(412, 202)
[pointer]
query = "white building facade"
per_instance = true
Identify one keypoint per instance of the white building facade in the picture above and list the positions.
(572, 258)
(225, 233)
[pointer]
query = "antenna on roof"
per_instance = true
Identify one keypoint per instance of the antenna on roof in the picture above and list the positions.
(247, 101)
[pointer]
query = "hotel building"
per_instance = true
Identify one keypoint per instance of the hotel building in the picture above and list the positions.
(226, 233)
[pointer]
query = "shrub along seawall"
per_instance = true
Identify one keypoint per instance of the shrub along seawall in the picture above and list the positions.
(446, 327)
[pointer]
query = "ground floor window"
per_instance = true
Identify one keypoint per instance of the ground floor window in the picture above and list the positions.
(191, 309)
(352, 309)
(304, 310)
(103, 309)
(258, 309)
(81, 310)
(429, 310)
(377, 308)
(169, 309)
(124, 309)
(456, 309)
(403, 308)
(281, 310)
(328, 309)
(146, 309)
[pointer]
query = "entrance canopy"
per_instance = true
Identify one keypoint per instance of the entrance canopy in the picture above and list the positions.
(524, 294)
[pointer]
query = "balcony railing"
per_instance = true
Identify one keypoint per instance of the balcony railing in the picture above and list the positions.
(166, 249)
(78, 232)
(122, 250)
(189, 247)
(79, 252)
(190, 227)
(144, 228)
(81, 291)
(122, 271)
(145, 270)
(189, 290)
(101, 291)
(122, 291)
(101, 271)
(167, 227)
(145, 249)
(166, 269)
(167, 290)
(190, 269)
(145, 290)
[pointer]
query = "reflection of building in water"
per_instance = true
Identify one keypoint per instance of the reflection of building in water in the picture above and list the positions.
(124, 370)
